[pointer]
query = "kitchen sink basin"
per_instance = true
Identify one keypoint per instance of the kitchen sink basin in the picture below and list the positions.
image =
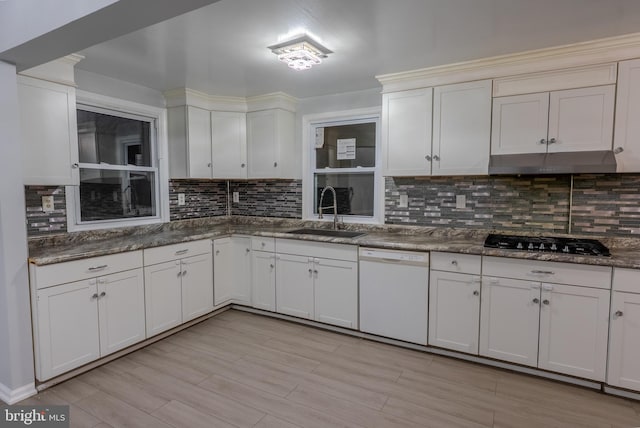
(327, 232)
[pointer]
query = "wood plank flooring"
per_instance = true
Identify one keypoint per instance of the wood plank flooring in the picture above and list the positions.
(244, 370)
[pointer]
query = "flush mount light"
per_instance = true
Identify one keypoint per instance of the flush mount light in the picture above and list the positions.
(301, 52)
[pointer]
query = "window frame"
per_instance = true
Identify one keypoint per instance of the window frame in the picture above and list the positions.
(346, 117)
(127, 109)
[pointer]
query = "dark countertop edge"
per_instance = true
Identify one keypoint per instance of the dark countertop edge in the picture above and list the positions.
(375, 240)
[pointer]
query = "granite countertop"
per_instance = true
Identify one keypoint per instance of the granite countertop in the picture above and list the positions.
(625, 252)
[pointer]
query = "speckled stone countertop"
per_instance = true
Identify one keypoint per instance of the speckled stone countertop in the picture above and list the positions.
(625, 252)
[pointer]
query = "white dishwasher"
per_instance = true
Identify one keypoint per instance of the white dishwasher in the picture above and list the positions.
(394, 293)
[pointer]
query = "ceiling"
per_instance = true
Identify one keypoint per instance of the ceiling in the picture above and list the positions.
(221, 49)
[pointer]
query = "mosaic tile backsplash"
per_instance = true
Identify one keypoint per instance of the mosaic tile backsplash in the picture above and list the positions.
(602, 204)
(203, 198)
(268, 198)
(40, 223)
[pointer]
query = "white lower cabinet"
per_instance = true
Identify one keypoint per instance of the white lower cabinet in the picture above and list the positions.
(553, 326)
(624, 340)
(232, 270)
(263, 280)
(82, 321)
(178, 283)
(320, 282)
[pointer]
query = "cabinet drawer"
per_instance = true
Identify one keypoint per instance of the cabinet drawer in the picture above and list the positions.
(167, 253)
(317, 249)
(261, 243)
(626, 280)
(452, 262)
(553, 272)
(77, 270)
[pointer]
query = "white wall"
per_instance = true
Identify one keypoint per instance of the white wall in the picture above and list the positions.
(16, 349)
(103, 85)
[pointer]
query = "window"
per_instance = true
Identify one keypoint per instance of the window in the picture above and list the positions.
(118, 167)
(344, 155)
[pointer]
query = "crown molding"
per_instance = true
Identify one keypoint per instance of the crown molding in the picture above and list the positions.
(185, 96)
(539, 60)
(59, 70)
(273, 100)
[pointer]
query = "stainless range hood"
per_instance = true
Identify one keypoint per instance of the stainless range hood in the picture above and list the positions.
(603, 161)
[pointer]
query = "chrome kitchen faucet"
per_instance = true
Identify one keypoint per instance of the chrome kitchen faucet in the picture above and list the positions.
(335, 206)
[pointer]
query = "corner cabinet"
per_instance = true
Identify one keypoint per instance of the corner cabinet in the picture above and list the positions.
(48, 124)
(271, 144)
(232, 270)
(229, 145)
(444, 130)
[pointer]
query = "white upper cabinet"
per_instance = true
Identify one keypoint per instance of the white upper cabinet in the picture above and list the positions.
(49, 132)
(229, 144)
(560, 121)
(461, 128)
(271, 144)
(626, 142)
(520, 124)
(189, 142)
(406, 132)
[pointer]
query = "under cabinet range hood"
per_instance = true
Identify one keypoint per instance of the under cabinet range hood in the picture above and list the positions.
(602, 161)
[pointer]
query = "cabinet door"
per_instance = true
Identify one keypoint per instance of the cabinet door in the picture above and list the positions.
(574, 324)
(199, 142)
(241, 269)
(624, 343)
(509, 320)
(294, 285)
(197, 286)
(68, 327)
(454, 311)
(49, 132)
(581, 119)
(163, 297)
(627, 125)
(406, 132)
(229, 144)
(263, 282)
(336, 292)
(461, 129)
(223, 265)
(520, 124)
(121, 310)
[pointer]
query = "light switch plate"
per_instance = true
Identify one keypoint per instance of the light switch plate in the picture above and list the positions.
(236, 197)
(47, 204)
(461, 201)
(181, 200)
(404, 201)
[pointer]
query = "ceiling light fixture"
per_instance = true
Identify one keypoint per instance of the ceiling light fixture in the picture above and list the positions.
(301, 52)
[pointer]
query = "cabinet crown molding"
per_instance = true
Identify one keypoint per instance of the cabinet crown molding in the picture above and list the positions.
(59, 70)
(185, 96)
(558, 57)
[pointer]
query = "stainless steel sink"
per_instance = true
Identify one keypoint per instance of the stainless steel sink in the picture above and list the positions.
(327, 232)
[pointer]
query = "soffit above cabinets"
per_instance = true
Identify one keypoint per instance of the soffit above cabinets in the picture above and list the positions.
(221, 49)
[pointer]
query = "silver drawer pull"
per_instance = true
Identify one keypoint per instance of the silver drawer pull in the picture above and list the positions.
(619, 313)
(104, 293)
(536, 300)
(186, 250)
(95, 296)
(94, 268)
(543, 272)
(476, 293)
(545, 302)
(454, 262)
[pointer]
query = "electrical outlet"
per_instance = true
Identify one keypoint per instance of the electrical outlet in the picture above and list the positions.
(461, 201)
(404, 201)
(181, 200)
(47, 204)
(236, 197)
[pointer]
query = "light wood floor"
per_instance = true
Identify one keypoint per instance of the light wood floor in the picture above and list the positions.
(245, 370)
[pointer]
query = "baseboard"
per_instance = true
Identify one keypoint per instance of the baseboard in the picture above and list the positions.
(622, 392)
(12, 396)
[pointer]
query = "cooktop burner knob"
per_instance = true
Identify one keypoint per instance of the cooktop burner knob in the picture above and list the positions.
(554, 247)
(541, 247)
(530, 246)
(519, 246)
(565, 249)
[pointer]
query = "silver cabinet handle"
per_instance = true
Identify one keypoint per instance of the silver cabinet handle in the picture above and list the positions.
(536, 300)
(542, 141)
(209, 165)
(104, 293)
(275, 164)
(543, 272)
(184, 272)
(95, 296)
(217, 252)
(310, 271)
(247, 250)
(271, 266)
(552, 141)
(180, 273)
(186, 250)
(315, 271)
(436, 157)
(454, 262)
(94, 268)
(262, 244)
(619, 313)
(75, 165)
(545, 302)
(427, 157)
(476, 293)
(241, 165)
(618, 150)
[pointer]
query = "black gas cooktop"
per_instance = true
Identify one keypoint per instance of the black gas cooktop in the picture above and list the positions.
(583, 247)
